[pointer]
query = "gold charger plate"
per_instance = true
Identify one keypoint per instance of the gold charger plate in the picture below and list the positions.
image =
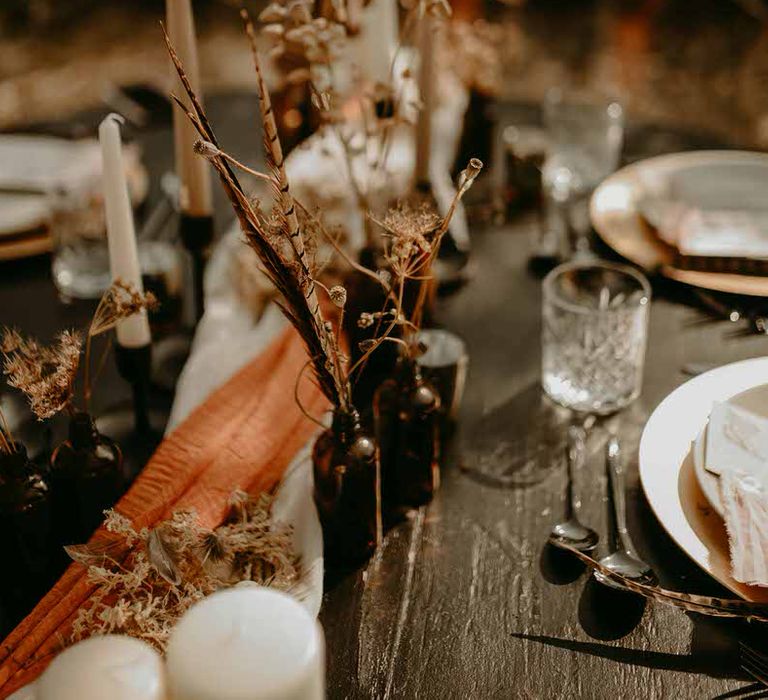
(617, 220)
(36, 242)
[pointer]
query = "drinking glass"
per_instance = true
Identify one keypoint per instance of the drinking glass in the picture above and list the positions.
(595, 326)
(80, 261)
(584, 145)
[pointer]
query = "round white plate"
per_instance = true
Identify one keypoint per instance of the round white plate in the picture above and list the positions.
(667, 467)
(698, 178)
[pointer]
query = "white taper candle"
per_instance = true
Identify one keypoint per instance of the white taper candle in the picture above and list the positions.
(378, 39)
(246, 643)
(132, 332)
(427, 88)
(192, 170)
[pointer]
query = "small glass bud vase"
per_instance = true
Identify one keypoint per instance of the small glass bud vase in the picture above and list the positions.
(25, 529)
(87, 477)
(345, 460)
(407, 417)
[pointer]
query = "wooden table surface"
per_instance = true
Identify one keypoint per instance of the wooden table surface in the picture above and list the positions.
(464, 600)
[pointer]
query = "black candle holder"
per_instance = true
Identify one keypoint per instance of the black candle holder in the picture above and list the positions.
(196, 233)
(134, 427)
(134, 365)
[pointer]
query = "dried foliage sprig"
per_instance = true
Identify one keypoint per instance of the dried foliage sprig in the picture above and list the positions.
(119, 302)
(412, 234)
(705, 605)
(44, 374)
(277, 239)
(146, 579)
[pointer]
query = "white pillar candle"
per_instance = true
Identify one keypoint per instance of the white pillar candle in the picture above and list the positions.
(132, 332)
(249, 643)
(192, 170)
(110, 666)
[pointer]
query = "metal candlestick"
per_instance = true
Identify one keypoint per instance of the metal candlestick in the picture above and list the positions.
(133, 365)
(196, 233)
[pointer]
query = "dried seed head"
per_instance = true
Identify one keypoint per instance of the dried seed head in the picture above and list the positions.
(272, 13)
(365, 320)
(299, 75)
(206, 149)
(468, 175)
(338, 296)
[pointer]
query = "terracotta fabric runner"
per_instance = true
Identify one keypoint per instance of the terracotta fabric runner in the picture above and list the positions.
(243, 436)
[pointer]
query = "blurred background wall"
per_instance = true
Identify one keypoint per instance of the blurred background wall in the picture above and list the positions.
(698, 63)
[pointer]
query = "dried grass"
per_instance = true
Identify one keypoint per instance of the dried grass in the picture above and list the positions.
(145, 580)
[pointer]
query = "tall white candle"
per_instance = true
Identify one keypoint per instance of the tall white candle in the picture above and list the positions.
(132, 332)
(109, 666)
(375, 46)
(249, 643)
(427, 92)
(192, 170)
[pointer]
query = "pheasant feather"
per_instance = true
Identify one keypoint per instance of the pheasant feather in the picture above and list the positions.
(705, 605)
(291, 277)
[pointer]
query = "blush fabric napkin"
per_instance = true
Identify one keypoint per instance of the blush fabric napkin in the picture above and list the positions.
(737, 451)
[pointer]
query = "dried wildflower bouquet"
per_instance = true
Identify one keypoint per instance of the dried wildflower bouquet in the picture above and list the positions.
(406, 406)
(345, 457)
(86, 474)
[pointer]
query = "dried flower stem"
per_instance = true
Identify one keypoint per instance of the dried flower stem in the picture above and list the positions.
(466, 179)
(291, 274)
(209, 151)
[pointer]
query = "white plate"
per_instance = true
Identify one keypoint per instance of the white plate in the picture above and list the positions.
(720, 179)
(45, 164)
(667, 471)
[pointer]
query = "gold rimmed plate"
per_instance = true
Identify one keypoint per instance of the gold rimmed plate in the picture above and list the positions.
(718, 178)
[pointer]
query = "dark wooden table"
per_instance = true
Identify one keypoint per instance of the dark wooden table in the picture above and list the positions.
(464, 600)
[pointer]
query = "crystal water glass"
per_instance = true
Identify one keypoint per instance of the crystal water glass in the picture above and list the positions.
(595, 326)
(584, 140)
(80, 260)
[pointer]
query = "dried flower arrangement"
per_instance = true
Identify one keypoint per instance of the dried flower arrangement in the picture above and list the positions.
(145, 580)
(46, 375)
(344, 457)
(412, 233)
(279, 238)
(361, 123)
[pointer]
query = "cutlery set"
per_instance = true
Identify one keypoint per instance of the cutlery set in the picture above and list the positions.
(622, 568)
(622, 558)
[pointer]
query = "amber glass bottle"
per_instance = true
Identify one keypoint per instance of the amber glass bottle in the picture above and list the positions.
(86, 478)
(407, 418)
(25, 529)
(345, 460)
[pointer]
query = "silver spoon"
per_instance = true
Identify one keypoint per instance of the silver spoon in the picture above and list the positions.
(623, 558)
(571, 533)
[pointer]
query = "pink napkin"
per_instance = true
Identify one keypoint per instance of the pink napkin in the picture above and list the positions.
(737, 451)
(745, 505)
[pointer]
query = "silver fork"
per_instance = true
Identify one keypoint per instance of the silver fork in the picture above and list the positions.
(755, 663)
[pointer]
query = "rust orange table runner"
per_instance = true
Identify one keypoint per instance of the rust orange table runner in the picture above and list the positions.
(243, 436)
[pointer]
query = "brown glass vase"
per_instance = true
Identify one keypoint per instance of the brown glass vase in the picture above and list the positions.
(25, 530)
(407, 419)
(346, 491)
(87, 477)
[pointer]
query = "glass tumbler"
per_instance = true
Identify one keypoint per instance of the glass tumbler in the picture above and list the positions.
(80, 261)
(584, 140)
(594, 332)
